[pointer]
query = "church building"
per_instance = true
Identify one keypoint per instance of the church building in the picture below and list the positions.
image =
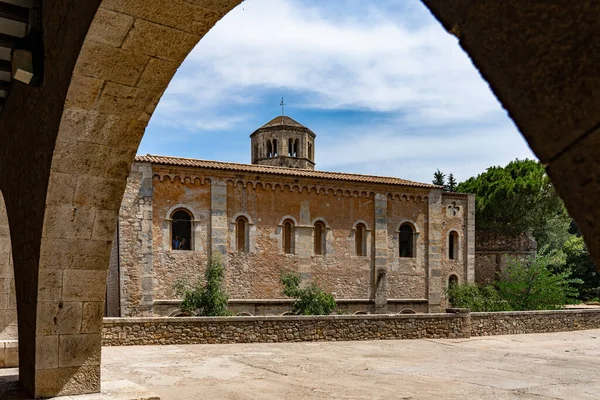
(378, 244)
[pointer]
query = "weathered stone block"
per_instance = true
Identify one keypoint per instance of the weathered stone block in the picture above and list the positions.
(84, 285)
(111, 64)
(159, 41)
(109, 27)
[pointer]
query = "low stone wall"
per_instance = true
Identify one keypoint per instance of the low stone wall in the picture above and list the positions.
(201, 330)
(515, 323)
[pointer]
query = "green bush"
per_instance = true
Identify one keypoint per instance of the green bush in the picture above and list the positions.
(311, 300)
(523, 285)
(476, 298)
(533, 285)
(206, 297)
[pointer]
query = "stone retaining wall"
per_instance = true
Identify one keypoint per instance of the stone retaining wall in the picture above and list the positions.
(270, 329)
(200, 330)
(515, 323)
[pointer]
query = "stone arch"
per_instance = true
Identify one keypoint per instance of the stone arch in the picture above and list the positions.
(123, 55)
(452, 280)
(407, 311)
(8, 307)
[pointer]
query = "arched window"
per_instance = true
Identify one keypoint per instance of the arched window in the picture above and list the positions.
(296, 145)
(310, 151)
(360, 240)
(288, 236)
(269, 149)
(241, 233)
(320, 239)
(453, 246)
(274, 147)
(452, 280)
(406, 241)
(181, 230)
(290, 147)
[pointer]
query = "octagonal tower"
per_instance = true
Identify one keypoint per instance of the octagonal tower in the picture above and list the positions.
(283, 142)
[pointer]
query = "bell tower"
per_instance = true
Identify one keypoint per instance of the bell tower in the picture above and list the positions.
(283, 142)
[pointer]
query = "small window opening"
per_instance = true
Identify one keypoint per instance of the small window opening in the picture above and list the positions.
(269, 149)
(453, 246)
(296, 145)
(242, 234)
(361, 240)
(274, 147)
(290, 147)
(288, 236)
(452, 280)
(181, 230)
(310, 151)
(255, 153)
(406, 241)
(320, 238)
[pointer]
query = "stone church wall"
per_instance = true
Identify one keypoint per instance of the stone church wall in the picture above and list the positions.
(407, 277)
(215, 198)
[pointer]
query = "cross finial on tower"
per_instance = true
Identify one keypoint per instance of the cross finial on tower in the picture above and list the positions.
(282, 104)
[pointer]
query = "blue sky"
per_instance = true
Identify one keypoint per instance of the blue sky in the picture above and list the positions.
(384, 87)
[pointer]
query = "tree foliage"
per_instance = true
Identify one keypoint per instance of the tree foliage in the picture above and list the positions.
(533, 284)
(311, 300)
(451, 185)
(439, 178)
(519, 198)
(530, 284)
(579, 262)
(206, 297)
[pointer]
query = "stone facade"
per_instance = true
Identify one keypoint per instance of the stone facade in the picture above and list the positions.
(386, 215)
(493, 251)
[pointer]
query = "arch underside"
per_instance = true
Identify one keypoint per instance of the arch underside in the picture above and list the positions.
(103, 83)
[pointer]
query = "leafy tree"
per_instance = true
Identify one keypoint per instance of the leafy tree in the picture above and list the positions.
(578, 260)
(475, 298)
(533, 285)
(451, 185)
(311, 300)
(439, 178)
(519, 198)
(207, 296)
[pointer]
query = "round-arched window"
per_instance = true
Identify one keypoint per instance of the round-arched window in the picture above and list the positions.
(406, 248)
(181, 230)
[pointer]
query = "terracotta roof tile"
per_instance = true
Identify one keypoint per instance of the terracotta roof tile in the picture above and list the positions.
(282, 121)
(264, 169)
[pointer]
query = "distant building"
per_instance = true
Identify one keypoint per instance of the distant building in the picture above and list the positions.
(379, 244)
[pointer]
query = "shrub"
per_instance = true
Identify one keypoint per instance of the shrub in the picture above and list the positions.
(532, 284)
(207, 296)
(475, 298)
(311, 300)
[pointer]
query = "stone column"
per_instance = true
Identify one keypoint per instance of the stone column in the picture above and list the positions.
(381, 254)
(470, 238)
(434, 255)
(218, 217)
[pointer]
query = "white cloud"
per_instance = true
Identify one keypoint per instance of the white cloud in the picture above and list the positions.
(370, 63)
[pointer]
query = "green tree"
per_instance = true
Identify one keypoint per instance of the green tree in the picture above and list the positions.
(519, 198)
(207, 296)
(451, 185)
(439, 178)
(533, 285)
(578, 260)
(311, 300)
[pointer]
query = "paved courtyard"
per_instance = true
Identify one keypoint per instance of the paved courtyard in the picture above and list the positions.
(557, 366)
(539, 366)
